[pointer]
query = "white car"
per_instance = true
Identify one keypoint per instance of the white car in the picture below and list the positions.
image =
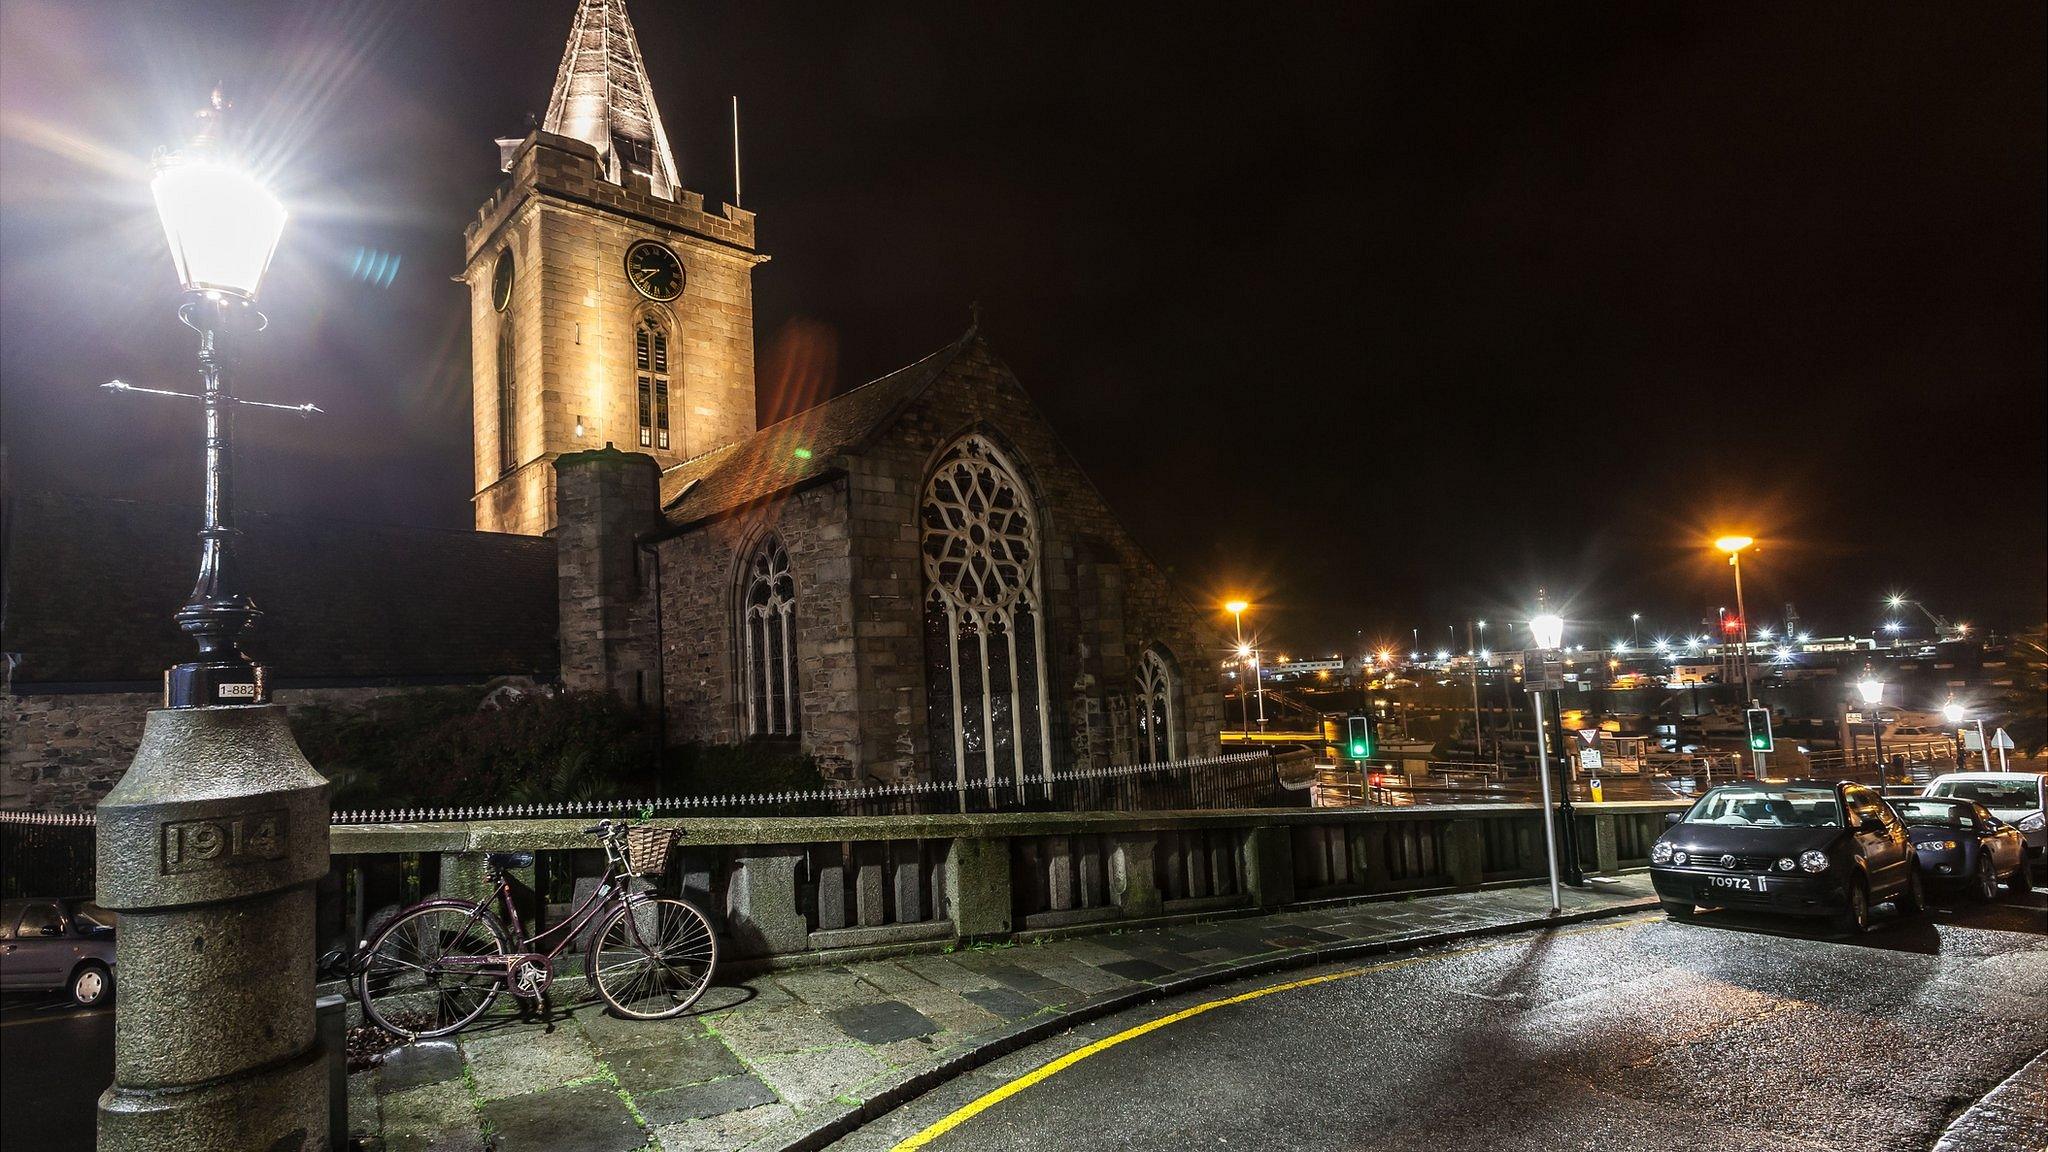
(2018, 798)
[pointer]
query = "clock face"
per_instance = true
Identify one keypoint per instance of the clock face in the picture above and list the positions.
(654, 271)
(501, 281)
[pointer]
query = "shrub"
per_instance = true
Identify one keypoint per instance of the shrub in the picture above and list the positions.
(440, 749)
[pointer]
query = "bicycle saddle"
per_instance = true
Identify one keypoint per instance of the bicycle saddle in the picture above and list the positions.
(506, 861)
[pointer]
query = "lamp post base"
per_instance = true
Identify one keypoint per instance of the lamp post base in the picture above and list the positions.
(209, 848)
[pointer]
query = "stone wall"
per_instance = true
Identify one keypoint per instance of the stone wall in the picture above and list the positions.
(1106, 600)
(606, 501)
(701, 586)
(63, 751)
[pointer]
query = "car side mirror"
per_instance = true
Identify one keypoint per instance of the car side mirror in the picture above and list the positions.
(1674, 817)
(52, 930)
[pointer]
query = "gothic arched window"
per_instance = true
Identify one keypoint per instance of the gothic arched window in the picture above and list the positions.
(1157, 729)
(650, 360)
(984, 620)
(508, 400)
(768, 641)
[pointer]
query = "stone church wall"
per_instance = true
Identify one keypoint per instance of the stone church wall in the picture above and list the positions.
(701, 586)
(1107, 601)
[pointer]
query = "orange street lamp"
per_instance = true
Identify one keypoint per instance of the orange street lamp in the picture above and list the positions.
(1733, 546)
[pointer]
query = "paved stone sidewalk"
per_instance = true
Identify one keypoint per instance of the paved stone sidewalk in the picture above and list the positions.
(769, 1058)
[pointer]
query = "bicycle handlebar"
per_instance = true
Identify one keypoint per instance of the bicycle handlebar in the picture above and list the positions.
(601, 828)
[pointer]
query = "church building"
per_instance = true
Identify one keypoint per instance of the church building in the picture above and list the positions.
(911, 580)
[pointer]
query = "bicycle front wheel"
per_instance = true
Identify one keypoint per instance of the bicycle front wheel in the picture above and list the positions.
(432, 970)
(653, 958)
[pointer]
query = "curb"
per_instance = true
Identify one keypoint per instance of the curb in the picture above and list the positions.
(846, 1118)
(2000, 1120)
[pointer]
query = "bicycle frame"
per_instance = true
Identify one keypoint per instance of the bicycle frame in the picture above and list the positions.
(597, 902)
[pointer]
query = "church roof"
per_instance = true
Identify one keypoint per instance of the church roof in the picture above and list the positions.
(89, 585)
(791, 452)
(602, 97)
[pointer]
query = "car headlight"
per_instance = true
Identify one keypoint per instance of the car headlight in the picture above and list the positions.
(1660, 853)
(1937, 846)
(2034, 821)
(1786, 864)
(1814, 861)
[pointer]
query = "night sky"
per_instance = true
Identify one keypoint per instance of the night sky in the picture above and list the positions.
(1386, 314)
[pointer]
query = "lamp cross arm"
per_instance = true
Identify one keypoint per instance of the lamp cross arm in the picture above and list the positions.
(301, 409)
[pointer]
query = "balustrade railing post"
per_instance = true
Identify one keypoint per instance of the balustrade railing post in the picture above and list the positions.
(978, 887)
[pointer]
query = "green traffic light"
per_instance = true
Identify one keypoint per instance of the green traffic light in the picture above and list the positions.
(1358, 751)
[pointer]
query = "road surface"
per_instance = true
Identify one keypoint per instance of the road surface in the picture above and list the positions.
(55, 1059)
(1730, 1032)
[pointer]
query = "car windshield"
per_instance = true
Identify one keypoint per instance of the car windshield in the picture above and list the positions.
(1762, 806)
(2024, 792)
(1935, 812)
(90, 916)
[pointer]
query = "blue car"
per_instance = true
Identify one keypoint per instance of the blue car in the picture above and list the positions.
(1959, 843)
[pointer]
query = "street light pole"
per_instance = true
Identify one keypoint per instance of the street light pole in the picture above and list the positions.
(1478, 733)
(1236, 609)
(1733, 545)
(1872, 690)
(210, 845)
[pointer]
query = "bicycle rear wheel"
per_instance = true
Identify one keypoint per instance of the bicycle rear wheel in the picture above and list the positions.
(653, 958)
(408, 985)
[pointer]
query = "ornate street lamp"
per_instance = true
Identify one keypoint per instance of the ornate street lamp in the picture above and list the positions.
(211, 844)
(222, 225)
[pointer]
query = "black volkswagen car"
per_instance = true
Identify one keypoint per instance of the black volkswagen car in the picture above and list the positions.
(1806, 847)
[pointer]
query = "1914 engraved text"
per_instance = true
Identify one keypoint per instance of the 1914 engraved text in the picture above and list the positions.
(224, 841)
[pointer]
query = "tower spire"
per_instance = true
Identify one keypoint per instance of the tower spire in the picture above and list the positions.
(602, 97)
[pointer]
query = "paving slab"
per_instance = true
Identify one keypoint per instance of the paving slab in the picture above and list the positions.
(527, 1058)
(807, 1078)
(412, 1065)
(699, 1101)
(431, 1118)
(683, 1061)
(584, 1118)
(1003, 1002)
(778, 1030)
(882, 1023)
(723, 1133)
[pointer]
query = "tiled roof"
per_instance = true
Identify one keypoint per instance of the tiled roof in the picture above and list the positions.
(90, 585)
(784, 455)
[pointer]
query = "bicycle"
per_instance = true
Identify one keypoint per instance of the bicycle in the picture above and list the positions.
(439, 964)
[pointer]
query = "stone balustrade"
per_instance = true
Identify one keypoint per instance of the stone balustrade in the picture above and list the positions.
(792, 889)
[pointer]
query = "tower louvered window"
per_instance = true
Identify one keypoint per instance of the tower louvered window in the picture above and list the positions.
(984, 622)
(768, 642)
(1156, 740)
(508, 400)
(650, 350)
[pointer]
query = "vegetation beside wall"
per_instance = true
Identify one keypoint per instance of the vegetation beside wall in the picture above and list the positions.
(446, 748)
(739, 769)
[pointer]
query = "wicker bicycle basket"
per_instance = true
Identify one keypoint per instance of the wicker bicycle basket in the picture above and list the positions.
(647, 849)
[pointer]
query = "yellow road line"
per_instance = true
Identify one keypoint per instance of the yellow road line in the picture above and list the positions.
(1046, 1071)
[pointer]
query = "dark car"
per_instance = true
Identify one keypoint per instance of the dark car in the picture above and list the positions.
(1961, 844)
(50, 943)
(1807, 847)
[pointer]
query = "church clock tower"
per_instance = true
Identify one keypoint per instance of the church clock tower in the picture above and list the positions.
(606, 304)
